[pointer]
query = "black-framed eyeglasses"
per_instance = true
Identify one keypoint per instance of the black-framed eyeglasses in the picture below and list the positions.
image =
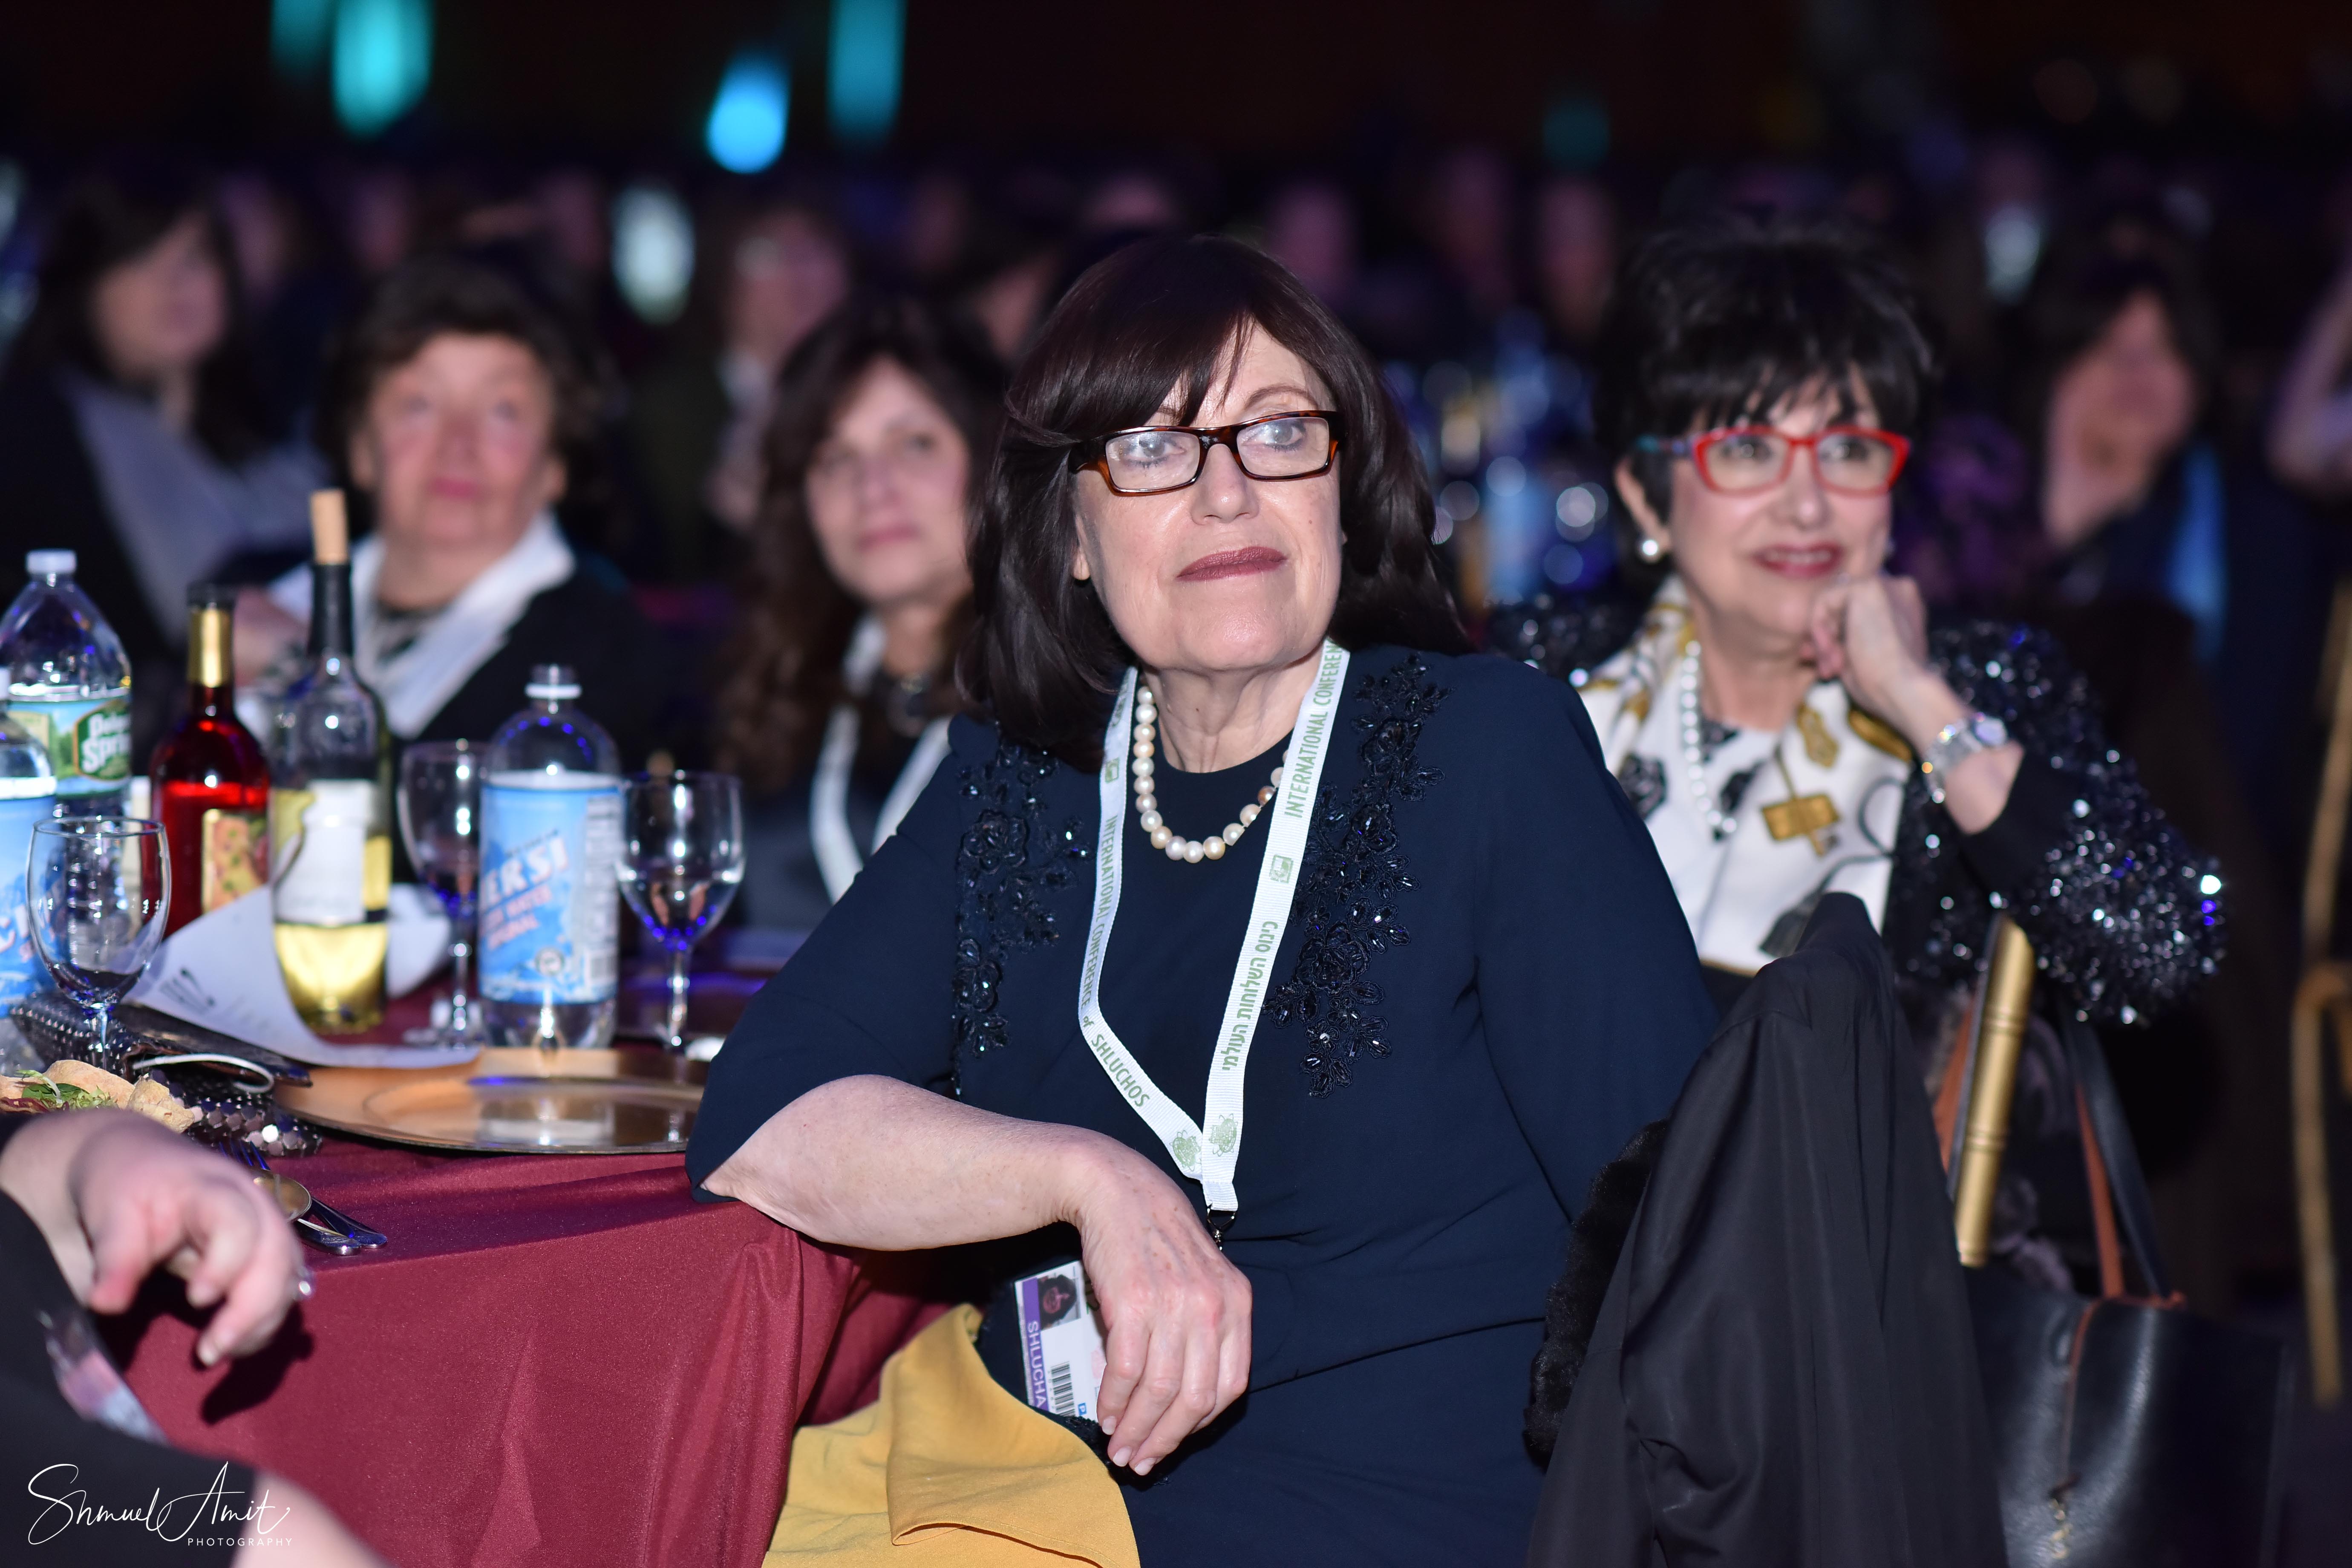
(1155, 458)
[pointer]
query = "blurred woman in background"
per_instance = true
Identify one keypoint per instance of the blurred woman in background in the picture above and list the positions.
(131, 430)
(698, 421)
(2141, 510)
(836, 709)
(456, 402)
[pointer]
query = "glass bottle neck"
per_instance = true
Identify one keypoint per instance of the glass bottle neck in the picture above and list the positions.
(331, 613)
(212, 668)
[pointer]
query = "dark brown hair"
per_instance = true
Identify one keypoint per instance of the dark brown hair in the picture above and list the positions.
(484, 294)
(1161, 315)
(784, 664)
(2090, 280)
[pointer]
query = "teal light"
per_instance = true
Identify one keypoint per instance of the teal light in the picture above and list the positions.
(1576, 131)
(746, 132)
(869, 40)
(298, 30)
(382, 58)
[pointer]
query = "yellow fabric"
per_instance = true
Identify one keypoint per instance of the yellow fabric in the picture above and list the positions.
(948, 1468)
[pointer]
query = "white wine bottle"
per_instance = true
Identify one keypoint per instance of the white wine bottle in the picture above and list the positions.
(330, 808)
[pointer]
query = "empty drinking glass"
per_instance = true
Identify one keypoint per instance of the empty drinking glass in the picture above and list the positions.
(97, 890)
(681, 861)
(440, 801)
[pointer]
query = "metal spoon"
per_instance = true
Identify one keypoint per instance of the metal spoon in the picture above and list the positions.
(317, 1215)
(294, 1199)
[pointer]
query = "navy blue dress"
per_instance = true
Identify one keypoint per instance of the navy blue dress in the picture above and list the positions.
(1487, 988)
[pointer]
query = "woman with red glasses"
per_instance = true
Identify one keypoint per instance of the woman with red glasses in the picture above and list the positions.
(1781, 712)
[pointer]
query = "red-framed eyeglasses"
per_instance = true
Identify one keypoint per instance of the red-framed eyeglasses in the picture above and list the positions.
(1851, 459)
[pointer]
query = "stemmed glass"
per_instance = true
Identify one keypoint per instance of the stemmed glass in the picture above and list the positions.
(681, 861)
(440, 802)
(97, 890)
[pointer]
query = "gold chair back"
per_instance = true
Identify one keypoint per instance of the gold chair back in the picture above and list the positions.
(2001, 1041)
(2324, 998)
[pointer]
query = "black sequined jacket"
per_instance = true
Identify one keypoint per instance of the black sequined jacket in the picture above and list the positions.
(2125, 919)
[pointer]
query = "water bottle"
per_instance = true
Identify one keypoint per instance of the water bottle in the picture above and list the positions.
(27, 795)
(69, 686)
(549, 889)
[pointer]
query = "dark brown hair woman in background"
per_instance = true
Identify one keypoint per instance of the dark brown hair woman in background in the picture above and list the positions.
(132, 429)
(838, 687)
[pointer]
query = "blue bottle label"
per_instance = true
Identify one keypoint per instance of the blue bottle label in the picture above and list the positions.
(549, 889)
(22, 972)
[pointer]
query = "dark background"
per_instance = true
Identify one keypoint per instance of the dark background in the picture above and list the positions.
(1679, 77)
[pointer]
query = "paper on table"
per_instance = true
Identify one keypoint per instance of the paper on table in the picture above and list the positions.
(221, 971)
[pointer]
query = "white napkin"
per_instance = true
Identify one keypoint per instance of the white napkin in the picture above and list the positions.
(221, 971)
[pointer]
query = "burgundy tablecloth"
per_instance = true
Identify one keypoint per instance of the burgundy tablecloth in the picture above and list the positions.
(558, 1360)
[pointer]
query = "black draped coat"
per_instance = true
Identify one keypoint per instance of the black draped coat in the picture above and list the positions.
(1783, 1374)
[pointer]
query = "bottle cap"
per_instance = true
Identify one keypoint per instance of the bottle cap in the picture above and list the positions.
(552, 683)
(211, 596)
(330, 533)
(50, 562)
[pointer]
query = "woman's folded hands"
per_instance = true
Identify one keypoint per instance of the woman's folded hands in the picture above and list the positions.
(872, 1162)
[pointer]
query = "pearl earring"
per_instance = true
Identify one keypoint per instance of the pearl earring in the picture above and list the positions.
(1651, 550)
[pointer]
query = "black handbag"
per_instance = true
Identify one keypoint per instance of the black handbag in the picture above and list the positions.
(2128, 1432)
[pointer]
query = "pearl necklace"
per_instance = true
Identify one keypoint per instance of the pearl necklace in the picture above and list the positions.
(1177, 846)
(1694, 752)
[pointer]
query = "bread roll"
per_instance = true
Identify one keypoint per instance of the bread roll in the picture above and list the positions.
(148, 1098)
(96, 1079)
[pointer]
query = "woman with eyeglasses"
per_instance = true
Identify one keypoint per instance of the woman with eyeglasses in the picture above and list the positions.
(1781, 712)
(839, 685)
(1244, 828)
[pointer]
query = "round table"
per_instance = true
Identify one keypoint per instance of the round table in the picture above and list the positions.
(558, 1359)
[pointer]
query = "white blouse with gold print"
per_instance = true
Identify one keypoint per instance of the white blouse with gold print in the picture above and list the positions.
(1810, 810)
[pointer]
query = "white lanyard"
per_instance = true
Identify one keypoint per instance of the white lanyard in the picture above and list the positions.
(1210, 1158)
(837, 859)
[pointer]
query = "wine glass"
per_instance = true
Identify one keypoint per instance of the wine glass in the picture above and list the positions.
(440, 802)
(97, 890)
(681, 861)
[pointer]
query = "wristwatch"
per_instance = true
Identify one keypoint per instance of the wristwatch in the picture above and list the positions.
(1976, 732)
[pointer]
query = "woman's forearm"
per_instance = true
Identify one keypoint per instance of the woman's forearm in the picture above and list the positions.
(2312, 422)
(1976, 788)
(872, 1162)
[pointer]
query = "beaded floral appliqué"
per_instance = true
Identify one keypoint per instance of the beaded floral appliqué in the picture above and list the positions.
(1355, 874)
(1007, 863)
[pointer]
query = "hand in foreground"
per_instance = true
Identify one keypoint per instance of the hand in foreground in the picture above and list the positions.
(1176, 1314)
(115, 1195)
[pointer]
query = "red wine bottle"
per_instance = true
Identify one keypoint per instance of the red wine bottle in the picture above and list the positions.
(211, 780)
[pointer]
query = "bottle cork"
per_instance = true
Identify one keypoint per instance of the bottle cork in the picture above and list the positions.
(330, 534)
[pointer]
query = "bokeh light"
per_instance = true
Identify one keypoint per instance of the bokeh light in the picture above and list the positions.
(746, 132)
(653, 251)
(869, 40)
(383, 59)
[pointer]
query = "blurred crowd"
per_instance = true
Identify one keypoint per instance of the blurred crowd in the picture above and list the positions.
(2144, 440)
